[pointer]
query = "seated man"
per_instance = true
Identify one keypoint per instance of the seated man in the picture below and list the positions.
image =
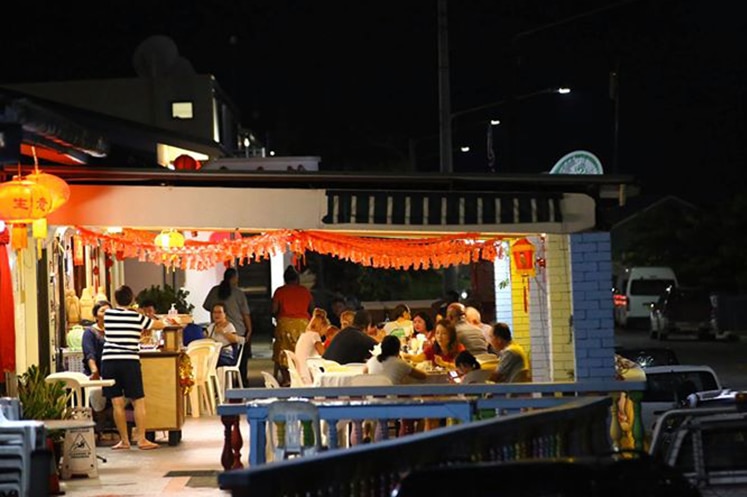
(93, 346)
(352, 344)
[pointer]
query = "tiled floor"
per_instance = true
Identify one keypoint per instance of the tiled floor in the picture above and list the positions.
(142, 473)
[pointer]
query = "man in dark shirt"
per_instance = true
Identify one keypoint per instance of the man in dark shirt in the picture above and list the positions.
(352, 344)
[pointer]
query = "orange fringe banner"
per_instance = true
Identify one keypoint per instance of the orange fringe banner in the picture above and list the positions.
(395, 253)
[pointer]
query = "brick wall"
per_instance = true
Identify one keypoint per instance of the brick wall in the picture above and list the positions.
(593, 327)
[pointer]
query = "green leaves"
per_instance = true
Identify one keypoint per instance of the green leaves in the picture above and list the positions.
(163, 298)
(41, 399)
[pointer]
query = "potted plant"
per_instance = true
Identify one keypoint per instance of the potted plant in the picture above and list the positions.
(42, 400)
(164, 297)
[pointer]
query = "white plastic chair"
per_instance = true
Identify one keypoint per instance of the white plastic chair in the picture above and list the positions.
(215, 388)
(316, 367)
(201, 357)
(270, 381)
(73, 383)
(295, 375)
(287, 419)
(230, 376)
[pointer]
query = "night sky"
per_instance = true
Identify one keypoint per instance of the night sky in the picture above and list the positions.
(357, 84)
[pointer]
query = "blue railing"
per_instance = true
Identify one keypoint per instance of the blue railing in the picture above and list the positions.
(505, 398)
(577, 428)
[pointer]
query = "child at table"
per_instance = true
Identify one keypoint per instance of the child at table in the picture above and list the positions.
(309, 344)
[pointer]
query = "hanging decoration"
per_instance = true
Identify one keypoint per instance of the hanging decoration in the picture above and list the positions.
(169, 239)
(7, 310)
(24, 201)
(30, 200)
(522, 253)
(396, 253)
(19, 237)
(58, 188)
(78, 252)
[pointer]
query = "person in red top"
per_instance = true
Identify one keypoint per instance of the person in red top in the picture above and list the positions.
(292, 304)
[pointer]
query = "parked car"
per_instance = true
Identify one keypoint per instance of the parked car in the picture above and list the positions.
(708, 445)
(667, 387)
(649, 356)
(683, 310)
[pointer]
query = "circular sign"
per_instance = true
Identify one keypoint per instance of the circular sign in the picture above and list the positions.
(578, 162)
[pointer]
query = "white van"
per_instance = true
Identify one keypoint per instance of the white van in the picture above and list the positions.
(636, 289)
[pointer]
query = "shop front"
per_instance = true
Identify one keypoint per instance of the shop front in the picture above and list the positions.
(557, 301)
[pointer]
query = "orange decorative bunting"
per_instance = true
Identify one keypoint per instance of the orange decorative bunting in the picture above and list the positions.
(395, 253)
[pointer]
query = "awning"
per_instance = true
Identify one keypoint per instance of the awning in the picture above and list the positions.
(428, 208)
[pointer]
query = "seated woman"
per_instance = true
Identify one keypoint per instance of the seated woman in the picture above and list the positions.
(444, 348)
(469, 369)
(309, 344)
(401, 324)
(422, 323)
(221, 330)
(389, 364)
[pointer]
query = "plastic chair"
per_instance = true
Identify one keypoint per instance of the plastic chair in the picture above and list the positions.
(297, 429)
(201, 357)
(227, 374)
(270, 381)
(316, 367)
(72, 381)
(295, 375)
(215, 387)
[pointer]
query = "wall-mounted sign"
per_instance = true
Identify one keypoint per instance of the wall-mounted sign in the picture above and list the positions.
(578, 162)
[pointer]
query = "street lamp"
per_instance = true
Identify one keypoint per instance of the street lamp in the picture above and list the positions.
(495, 122)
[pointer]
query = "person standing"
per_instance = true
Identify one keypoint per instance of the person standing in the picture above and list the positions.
(292, 304)
(228, 293)
(513, 364)
(120, 361)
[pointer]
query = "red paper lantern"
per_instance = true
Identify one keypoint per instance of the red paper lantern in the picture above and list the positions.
(57, 187)
(186, 163)
(523, 254)
(219, 236)
(23, 201)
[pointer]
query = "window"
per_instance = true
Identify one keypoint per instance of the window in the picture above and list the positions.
(649, 287)
(181, 110)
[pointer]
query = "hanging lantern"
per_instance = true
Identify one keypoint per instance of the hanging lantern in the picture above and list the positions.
(169, 239)
(186, 163)
(58, 188)
(19, 237)
(23, 201)
(522, 252)
(39, 228)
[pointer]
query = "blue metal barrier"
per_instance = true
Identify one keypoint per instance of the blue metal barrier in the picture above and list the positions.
(577, 428)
